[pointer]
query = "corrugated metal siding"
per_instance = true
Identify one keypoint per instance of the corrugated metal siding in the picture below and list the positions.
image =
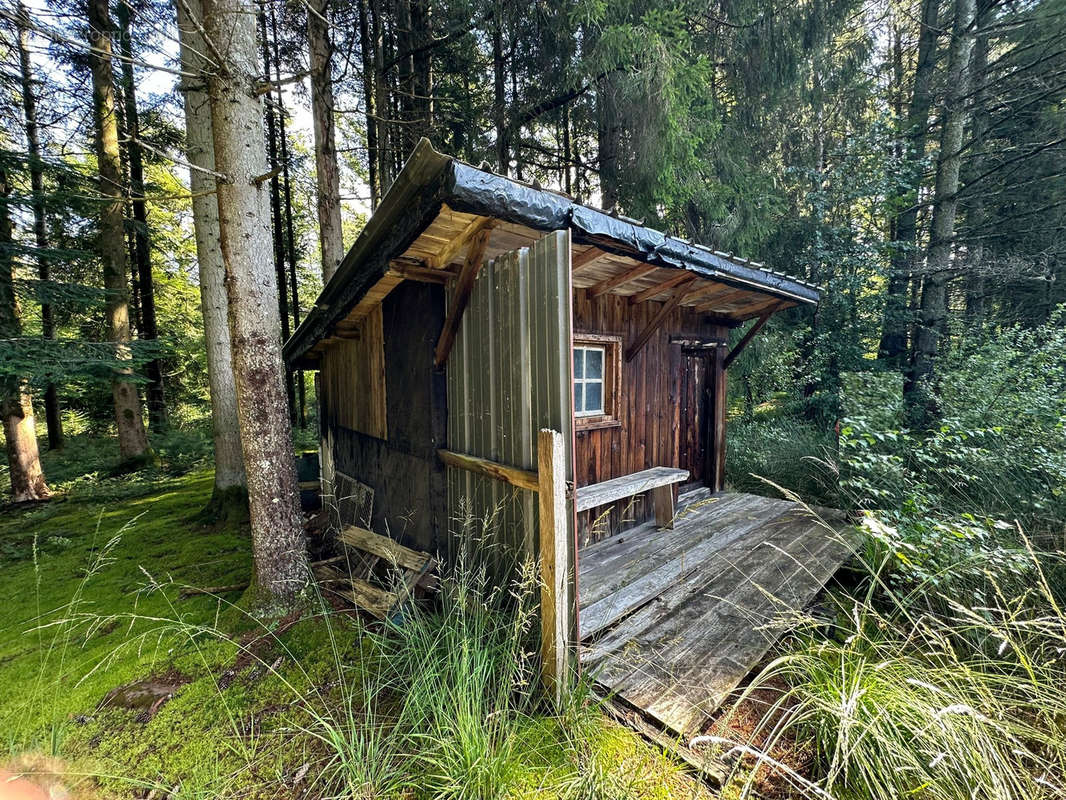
(508, 377)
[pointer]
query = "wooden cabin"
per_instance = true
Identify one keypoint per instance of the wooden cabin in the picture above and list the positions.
(504, 369)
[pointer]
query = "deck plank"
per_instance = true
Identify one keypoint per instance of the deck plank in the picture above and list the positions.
(736, 634)
(646, 547)
(720, 573)
(641, 580)
(699, 619)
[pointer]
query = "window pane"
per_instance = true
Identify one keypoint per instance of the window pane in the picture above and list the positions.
(593, 396)
(594, 363)
(579, 362)
(578, 398)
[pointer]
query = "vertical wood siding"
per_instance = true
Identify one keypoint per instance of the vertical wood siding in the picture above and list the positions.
(661, 408)
(354, 378)
(403, 470)
(509, 375)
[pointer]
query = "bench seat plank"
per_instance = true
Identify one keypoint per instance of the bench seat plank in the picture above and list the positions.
(600, 494)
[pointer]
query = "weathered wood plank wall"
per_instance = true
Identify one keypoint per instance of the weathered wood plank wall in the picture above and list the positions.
(358, 361)
(660, 408)
(508, 377)
(402, 468)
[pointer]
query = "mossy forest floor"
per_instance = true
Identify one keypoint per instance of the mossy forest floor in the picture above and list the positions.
(138, 692)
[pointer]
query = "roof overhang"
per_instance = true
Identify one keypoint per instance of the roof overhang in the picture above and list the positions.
(438, 199)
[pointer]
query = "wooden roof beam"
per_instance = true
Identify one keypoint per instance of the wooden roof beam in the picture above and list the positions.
(621, 279)
(448, 253)
(659, 288)
(757, 308)
(747, 337)
(461, 298)
(660, 317)
(715, 302)
(582, 260)
(422, 274)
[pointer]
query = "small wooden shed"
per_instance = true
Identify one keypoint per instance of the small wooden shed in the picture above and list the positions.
(498, 362)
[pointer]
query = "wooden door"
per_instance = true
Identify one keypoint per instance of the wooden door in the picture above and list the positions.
(692, 430)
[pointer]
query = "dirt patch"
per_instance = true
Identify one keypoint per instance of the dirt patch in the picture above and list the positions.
(146, 696)
(751, 723)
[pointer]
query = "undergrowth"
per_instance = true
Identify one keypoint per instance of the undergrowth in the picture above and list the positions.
(444, 704)
(946, 687)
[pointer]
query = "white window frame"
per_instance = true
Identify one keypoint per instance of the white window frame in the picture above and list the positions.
(584, 381)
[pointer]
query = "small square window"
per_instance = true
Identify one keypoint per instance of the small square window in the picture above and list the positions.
(597, 380)
(588, 380)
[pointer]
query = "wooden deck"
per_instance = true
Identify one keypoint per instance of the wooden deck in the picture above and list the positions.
(672, 621)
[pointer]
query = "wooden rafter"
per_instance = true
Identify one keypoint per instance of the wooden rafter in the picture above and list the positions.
(747, 337)
(717, 300)
(422, 274)
(698, 293)
(582, 260)
(447, 253)
(756, 309)
(658, 319)
(463, 287)
(659, 288)
(621, 279)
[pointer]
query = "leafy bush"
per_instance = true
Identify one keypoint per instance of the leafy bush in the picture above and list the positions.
(1000, 447)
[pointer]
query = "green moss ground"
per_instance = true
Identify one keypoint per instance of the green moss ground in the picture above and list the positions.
(91, 586)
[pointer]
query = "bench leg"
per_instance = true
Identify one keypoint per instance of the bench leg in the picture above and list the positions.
(662, 499)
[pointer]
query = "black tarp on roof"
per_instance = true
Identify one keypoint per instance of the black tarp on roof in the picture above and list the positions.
(429, 180)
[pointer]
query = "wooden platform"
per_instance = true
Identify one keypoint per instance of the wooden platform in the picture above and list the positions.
(672, 621)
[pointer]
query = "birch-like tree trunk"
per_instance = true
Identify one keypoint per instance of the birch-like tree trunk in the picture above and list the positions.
(327, 175)
(954, 118)
(367, 47)
(278, 547)
(16, 408)
(53, 420)
(132, 439)
(230, 492)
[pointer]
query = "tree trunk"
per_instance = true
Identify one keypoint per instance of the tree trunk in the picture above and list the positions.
(422, 64)
(40, 228)
(327, 174)
(381, 99)
(977, 213)
(275, 199)
(934, 303)
(370, 103)
(499, 99)
(148, 329)
(132, 439)
(230, 491)
(278, 547)
(299, 405)
(608, 135)
(20, 433)
(894, 325)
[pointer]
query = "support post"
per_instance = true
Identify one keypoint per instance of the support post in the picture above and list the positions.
(662, 498)
(555, 600)
(715, 403)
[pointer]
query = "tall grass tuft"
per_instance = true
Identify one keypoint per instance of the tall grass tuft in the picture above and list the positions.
(901, 701)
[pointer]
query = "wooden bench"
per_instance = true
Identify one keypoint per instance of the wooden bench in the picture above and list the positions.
(658, 480)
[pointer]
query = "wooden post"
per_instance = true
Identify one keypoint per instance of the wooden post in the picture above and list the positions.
(715, 403)
(555, 599)
(662, 498)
